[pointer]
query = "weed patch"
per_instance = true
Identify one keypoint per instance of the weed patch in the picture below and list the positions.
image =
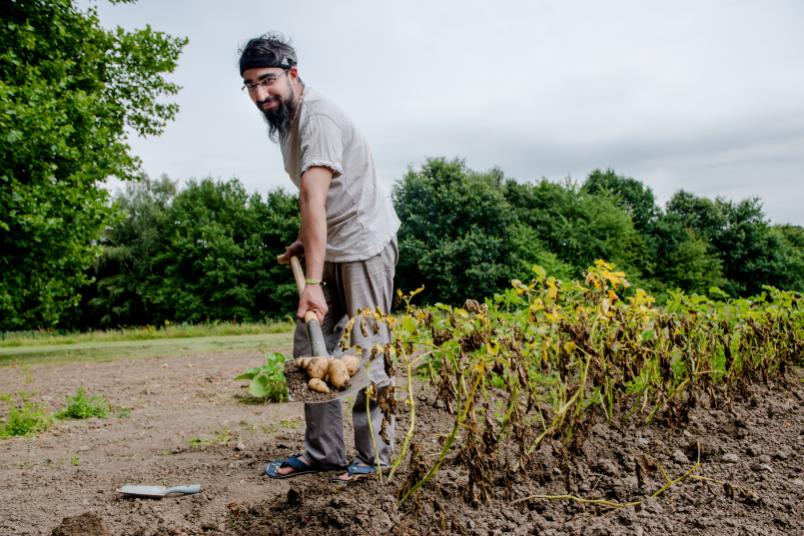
(83, 406)
(24, 418)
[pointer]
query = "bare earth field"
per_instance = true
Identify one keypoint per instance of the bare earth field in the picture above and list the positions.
(188, 423)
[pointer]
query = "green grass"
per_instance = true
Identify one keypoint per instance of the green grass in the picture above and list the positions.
(285, 424)
(68, 350)
(222, 437)
(169, 331)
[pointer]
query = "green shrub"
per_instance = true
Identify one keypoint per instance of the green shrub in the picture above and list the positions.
(82, 406)
(24, 419)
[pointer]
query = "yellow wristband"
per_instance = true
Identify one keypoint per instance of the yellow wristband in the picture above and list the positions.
(311, 281)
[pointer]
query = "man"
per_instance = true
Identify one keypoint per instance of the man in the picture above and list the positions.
(347, 236)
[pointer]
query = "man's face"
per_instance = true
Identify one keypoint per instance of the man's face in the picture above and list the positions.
(271, 90)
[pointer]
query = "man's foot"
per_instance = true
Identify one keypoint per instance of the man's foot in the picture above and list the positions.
(294, 465)
(356, 471)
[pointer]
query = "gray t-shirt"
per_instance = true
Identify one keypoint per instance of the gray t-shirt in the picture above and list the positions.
(360, 219)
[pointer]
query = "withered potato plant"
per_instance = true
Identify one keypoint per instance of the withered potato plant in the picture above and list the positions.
(545, 359)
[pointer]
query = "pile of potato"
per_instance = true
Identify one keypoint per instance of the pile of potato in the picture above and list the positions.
(328, 370)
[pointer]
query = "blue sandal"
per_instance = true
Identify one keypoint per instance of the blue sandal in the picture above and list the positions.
(356, 471)
(299, 466)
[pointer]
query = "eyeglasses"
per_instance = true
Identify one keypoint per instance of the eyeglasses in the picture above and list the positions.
(265, 81)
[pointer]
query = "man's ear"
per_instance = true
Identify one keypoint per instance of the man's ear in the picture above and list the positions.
(293, 72)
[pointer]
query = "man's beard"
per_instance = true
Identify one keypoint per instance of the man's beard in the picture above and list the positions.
(278, 118)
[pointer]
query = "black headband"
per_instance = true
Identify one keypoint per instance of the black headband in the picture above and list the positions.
(264, 60)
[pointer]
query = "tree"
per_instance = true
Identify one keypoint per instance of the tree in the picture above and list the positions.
(630, 194)
(70, 92)
(684, 259)
(577, 227)
(791, 257)
(205, 252)
(456, 232)
(750, 252)
(119, 295)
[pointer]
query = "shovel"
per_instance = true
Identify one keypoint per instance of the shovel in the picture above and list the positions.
(297, 378)
(158, 492)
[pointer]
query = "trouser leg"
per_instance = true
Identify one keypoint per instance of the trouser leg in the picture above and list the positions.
(369, 284)
(323, 434)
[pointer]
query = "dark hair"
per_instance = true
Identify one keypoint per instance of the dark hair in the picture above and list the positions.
(267, 50)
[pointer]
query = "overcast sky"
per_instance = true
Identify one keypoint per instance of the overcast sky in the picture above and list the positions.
(705, 96)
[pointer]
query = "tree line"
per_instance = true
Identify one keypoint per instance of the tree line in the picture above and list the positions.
(466, 233)
(207, 251)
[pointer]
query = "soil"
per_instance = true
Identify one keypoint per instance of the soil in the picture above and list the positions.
(188, 422)
(298, 391)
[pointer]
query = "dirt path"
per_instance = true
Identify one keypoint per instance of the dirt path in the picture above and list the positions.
(187, 424)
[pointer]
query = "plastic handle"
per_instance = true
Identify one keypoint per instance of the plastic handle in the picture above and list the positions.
(184, 490)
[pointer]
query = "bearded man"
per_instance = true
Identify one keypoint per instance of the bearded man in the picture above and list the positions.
(347, 237)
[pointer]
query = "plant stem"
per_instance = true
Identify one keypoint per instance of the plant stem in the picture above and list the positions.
(370, 390)
(411, 427)
(447, 443)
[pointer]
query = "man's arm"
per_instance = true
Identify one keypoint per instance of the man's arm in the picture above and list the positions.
(313, 201)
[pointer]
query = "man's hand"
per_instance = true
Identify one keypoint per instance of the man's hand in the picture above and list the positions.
(296, 249)
(312, 299)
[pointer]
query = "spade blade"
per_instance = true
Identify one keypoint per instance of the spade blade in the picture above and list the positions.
(158, 491)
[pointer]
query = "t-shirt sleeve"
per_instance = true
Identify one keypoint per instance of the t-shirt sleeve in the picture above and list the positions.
(322, 145)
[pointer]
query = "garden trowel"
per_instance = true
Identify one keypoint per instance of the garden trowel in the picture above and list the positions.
(158, 492)
(319, 348)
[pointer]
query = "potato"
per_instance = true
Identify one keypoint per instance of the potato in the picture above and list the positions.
(302, 362)
(318, 385)
(337, 373)
(352, 363)
(317, 367)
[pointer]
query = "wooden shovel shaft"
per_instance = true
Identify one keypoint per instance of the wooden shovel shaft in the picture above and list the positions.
(314, 332)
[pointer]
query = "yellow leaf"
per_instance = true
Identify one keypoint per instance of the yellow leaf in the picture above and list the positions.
(552, 289)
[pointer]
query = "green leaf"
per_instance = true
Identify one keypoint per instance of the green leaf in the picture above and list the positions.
(249, 374)
(260, 386)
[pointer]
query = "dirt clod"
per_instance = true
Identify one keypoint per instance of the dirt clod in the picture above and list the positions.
(295, 496)
(86, 524)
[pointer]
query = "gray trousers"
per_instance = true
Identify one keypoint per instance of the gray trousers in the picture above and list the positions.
(349, 287)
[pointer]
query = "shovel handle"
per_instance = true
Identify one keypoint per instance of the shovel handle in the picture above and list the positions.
(314, 333)
(298, 274)
(183, 490)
